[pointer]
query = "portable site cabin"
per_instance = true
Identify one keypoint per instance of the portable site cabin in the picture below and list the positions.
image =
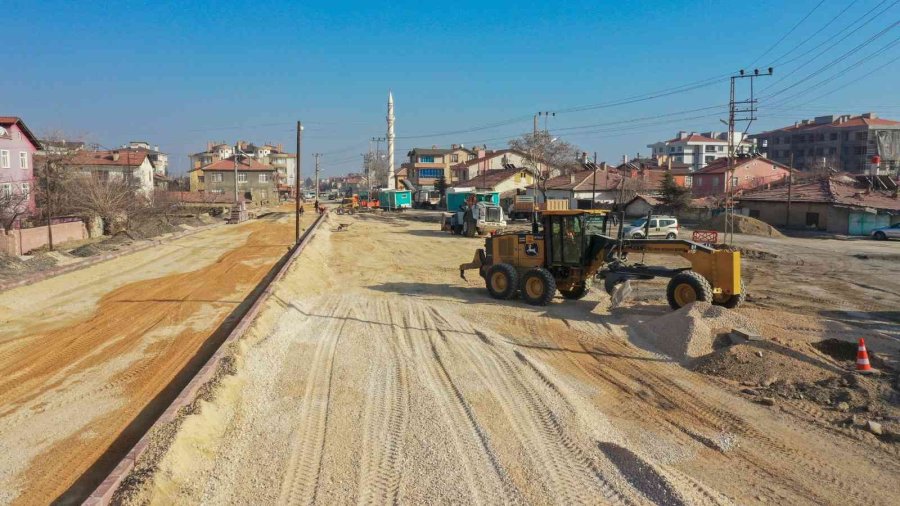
(395, 199)
(458, 198)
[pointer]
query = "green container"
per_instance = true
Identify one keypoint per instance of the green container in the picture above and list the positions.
(456, 199)
(395, 199)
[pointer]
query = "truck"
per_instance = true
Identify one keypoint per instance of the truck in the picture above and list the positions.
(427, 199)
(457, 197)
(524, 206)
(474, 217)
(395, 200)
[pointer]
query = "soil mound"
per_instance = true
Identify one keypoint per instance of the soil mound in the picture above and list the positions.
(763, 363)
(690, 332)
(743, 225)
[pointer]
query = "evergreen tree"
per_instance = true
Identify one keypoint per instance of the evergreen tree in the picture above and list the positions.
(441, 184)
(675, 197)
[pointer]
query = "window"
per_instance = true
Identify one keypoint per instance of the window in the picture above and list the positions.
(721, 149)
(861, 136)
(832, 150)
(215, 177)
(263, 178)
(23, 159)
(688, 181)
(454, 158)
(435, 173)
(6, 190)
(715, 181)
(4, 158)
(200, 179)
(242, 177)
(734, 182)
(470, 157)
(26, 189)
(426, 159)
(833, 136)
(709, 159)
(710, 148)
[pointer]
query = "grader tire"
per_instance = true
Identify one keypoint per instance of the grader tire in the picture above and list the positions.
(686, 287)
(731, 301)
(502, 281)
(538, 287)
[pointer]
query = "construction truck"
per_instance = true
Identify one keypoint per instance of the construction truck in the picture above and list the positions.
(524, 206)
(426, 199)
(574, 249)
(474, 218)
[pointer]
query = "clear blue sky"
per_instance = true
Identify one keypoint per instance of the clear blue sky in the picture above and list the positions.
(179, 75)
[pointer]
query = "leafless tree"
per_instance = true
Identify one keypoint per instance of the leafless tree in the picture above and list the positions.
(547, 154)
(13, 204)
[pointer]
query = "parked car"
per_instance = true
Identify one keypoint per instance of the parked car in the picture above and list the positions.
(660, 226)
(888, 232)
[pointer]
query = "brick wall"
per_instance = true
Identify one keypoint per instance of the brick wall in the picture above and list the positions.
(19, 242)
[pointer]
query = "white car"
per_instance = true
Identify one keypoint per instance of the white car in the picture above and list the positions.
(888, 232)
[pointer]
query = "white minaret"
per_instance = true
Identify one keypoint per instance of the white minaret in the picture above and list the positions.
(390, 140)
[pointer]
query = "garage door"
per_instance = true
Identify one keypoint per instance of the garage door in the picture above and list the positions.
(864, 223)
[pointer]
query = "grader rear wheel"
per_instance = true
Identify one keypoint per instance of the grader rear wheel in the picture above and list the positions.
(538, 287)
(501, 281)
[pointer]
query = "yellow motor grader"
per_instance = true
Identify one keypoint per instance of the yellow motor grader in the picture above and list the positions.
(574, 248)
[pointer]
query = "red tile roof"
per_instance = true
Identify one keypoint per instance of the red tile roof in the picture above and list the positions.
(244, 164)
(853, 121)
(720, 165)
(12, 120)
(828, 191)
(125, 158)
(490, 179)
(696, 138)
(584, 181)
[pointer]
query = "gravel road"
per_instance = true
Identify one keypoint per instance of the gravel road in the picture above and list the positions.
(376, 375)
(84, 355)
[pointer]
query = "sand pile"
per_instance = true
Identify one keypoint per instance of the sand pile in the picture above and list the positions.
(764, 363)
(743, 225)
(689, 333)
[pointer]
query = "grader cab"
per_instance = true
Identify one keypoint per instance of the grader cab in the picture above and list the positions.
(574, 249)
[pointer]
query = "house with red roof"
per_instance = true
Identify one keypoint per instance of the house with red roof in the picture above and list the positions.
(17, 148)
(601, 185)
(256, 181)
(133, 167)
(717, 178)
(844, 143)
(697, 150)
(839, 204)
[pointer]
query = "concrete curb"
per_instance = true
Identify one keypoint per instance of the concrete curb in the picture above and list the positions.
(102, 495)
(87, 262)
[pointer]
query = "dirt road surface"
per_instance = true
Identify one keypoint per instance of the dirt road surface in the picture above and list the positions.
(376, 375)
(82, 355)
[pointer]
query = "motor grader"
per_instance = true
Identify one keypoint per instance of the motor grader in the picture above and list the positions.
(574, 249)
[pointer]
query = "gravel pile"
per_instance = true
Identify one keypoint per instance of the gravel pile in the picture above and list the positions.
(690, 332)
(744, 225)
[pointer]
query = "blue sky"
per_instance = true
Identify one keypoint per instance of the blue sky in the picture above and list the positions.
(179, 75)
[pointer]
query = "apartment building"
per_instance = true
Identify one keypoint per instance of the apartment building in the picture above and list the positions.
(159, 159)
(845, 143)
(256, 181)
(427, 165)
(697, 150)
(274, 155)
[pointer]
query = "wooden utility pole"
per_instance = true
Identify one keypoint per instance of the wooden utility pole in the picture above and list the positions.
(787, 217)
(297, 184)
(317, 156)
(49, 170)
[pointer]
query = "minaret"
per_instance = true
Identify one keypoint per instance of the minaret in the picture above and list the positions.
(390, 140)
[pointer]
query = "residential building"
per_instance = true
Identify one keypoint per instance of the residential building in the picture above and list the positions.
(256, 181)
(605, 187)
(642, 205)
(844, 143)
(487, 161)
(159, 159)
(653, 170)
(837, 204)
(56, 147)
(133, 167)
(17, 148)
(748, 173)
(507, 181)
(427, 165)
(274, 155)
(697, 150)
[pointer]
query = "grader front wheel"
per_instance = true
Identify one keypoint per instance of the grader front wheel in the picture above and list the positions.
(501, 281)
(538, 287)
(687, 287)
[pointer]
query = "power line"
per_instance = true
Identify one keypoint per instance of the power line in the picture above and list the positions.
(767, 51)
(815, 32)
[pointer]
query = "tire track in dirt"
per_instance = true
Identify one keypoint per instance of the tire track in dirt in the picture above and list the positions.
(301, 479)
(384, 422)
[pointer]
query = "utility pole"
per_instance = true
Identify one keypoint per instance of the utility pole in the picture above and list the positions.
(317, 156)
(787, 217)
(749, 110)
(297, 184)
(234, 157)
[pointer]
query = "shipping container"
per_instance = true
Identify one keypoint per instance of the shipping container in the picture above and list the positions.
(395, 199)
(458, 198)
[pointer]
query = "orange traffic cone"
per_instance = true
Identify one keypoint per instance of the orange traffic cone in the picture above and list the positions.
(862, 359)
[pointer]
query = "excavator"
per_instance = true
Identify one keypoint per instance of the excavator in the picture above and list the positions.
(573, 249)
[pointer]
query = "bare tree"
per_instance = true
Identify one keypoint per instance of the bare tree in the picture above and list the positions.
(13, 204)
(547, 154)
